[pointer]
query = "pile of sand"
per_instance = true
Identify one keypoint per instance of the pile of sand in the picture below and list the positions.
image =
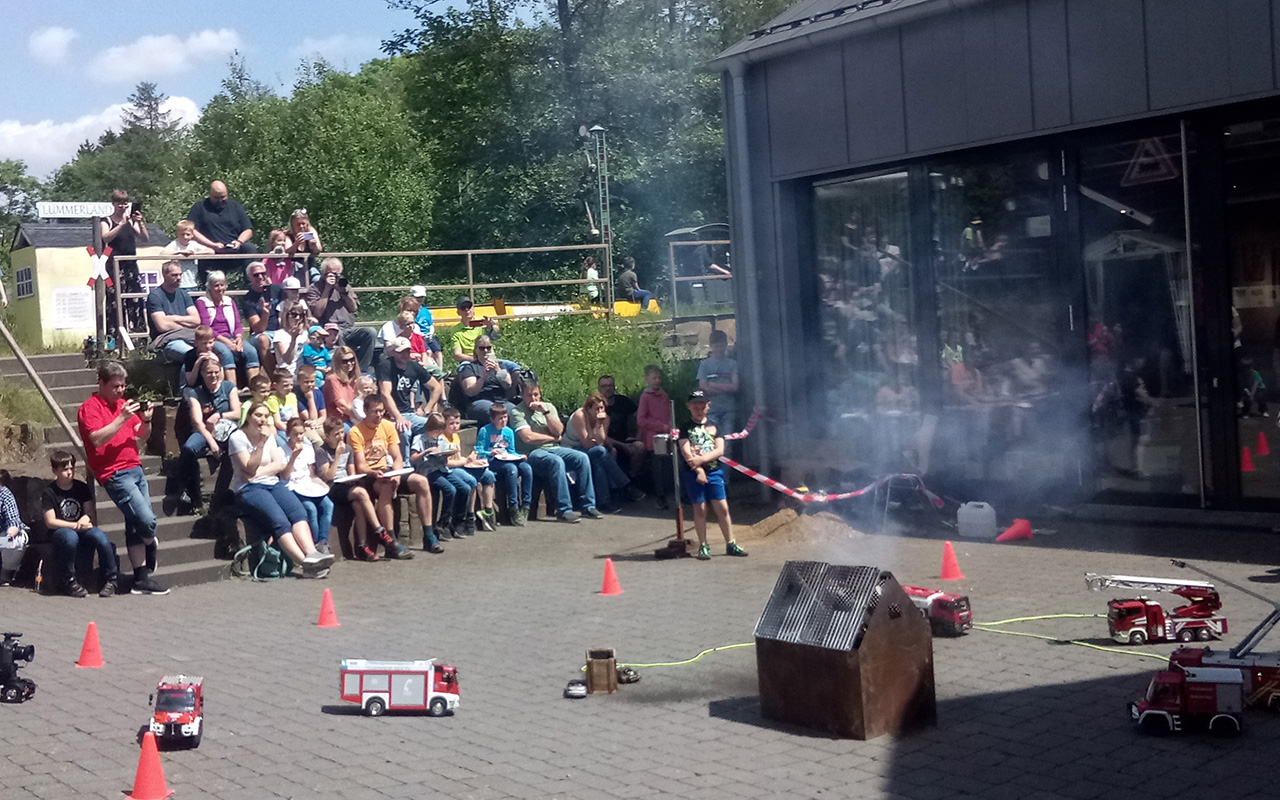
(788, 526)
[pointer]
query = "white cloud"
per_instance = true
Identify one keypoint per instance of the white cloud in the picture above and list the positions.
(337, 49)
(50, 45)
(151, 57)
(47, 145)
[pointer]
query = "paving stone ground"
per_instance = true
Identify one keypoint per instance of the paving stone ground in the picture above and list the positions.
(516, 610)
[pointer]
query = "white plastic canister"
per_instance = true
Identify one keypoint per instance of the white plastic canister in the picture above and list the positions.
(977, 521)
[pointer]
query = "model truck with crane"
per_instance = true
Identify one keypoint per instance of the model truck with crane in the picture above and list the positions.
(179, 709)
(1140, 620)
(948, 614)
(1202, 687)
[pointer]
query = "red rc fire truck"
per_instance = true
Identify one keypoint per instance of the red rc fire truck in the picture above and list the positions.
(1140, 620)
(948, 614)
(379, 686)
(179, 712)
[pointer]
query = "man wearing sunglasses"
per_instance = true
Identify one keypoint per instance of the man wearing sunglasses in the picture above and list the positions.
(260, 308)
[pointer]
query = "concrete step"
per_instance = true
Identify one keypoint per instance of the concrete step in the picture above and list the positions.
(73, 395)
(176, 544)
(61, 377)
(54, 362)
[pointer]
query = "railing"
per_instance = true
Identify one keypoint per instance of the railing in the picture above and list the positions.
(671, 261)
(49, 400)
(469, 287)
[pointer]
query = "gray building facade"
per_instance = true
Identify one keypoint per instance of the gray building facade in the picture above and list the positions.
(1023, 248)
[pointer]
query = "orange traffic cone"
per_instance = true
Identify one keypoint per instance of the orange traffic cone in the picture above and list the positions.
(328, 616)
(950, 569)
(1246, 460)
(1020, 529)
(149, 782)
(610, 585)
(1263, 448)
(91, 652)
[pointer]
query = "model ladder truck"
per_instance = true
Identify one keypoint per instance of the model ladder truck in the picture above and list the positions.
(1140, 620)
(1206, 688)
(948, 613)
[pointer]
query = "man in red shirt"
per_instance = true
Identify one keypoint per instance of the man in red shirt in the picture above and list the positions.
(110, 427)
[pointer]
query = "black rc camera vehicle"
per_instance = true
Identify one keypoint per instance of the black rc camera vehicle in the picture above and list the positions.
(12, 688)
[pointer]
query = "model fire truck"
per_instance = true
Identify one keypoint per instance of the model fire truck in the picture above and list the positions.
(1141, 619)
(948, 614)
(179, 709)
(1257, 677)
(379, 686)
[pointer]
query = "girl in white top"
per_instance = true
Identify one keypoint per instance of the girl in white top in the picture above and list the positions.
(291, 338)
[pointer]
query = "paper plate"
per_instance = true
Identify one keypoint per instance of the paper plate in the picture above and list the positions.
(310, 489)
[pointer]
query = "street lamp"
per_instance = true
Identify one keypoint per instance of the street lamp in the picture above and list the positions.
(597, 135)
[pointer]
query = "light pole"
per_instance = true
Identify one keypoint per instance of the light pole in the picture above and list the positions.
(597, 134)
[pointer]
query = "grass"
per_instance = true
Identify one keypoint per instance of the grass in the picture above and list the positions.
(23, 403)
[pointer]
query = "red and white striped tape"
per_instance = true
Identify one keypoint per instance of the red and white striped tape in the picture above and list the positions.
(756, 414)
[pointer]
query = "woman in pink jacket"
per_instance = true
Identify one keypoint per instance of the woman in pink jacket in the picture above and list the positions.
(653, 417)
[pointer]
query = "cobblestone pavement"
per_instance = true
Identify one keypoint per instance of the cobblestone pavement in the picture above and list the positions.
(517, 609)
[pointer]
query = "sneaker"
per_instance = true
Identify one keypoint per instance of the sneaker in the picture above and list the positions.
(317, 559)
(148, 585)
(521, 517)
(452, 532)
(570, 516)
(663, 505)
(468, 526)
(485, 519)
(634, 494)
(591, 512)
(732, 549)
(108, 588)
(309, 571)
(323, 547)
(704, 552)
(365, 553)
(74, 589)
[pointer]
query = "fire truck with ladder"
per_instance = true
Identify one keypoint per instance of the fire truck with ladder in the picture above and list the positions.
(1140, 620)
(948, 613)
(1202, 686)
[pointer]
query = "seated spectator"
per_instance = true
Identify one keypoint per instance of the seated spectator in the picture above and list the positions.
(365, 386)
(185, 244)
(470, 471)
(340, 384)
(306, 486)
(282, 403)
(429, 458)
(629, 285)
(406, 328)
(496, 444)
(332, 300)
(259, 392)
(288, 342)
(400, 380)
(260, 307)
(538, 430)
(653, 418)
(214, 405)
(333, 460)
(291, 295)
(71, 518)
(279, 269)
(311, 405)
(587, 430)
(13, 531)
(172, 315)
(462, 338)
(427, 326)
(483, 380)
(315, 352)
(258, 461)
(332, 336)
(375, 450)
(201, 346)
(394, 327)
(622, 422)
(222, 224)
(718, 379)
(220, 313)
(304, 240)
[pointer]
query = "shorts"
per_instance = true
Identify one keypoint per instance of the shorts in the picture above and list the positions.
(698, 493)
(341, 492)
(433, 344)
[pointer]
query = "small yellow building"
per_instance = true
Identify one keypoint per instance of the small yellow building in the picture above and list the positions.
(53, 304)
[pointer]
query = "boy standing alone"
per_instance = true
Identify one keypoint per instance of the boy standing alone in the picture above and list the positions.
(701, 447)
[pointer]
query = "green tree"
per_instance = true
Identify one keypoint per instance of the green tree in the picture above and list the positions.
(18, 195)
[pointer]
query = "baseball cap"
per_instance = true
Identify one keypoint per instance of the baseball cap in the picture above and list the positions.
(332, 326)
(465, 302)
(418, 291)
(315, 329)
(698, 396)
(398, 344)
(291, 283)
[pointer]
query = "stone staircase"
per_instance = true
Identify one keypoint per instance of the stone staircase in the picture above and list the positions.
(182, 560)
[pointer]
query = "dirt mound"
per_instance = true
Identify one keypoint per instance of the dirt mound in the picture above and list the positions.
(788, 526)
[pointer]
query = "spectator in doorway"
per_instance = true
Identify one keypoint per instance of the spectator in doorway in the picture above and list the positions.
(222, 224)
(172, 315)
(332, 300)
(71, 518)
(185, 245)
(629, 285)
(718, 379)
(220, 313)
(110, 427)
(122, 231)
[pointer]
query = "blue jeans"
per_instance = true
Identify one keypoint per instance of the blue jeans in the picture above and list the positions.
(517, 477)
(454, 495)
(319, 511)
(417, 425)
(227, 356)
(723, 415)
(553, 465)
(606, 475)
(189, 466)
(480, 475)
(464, 483)
(642, 297)
(175, 351)
(73, 550)
(128, 490)
(274, 507)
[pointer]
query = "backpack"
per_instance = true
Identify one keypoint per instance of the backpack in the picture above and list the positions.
(261, 561)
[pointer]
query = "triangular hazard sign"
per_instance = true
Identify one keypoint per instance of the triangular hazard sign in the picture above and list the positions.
(1150, 163)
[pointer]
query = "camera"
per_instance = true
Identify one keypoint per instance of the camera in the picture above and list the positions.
(342, 282)
(12, 688)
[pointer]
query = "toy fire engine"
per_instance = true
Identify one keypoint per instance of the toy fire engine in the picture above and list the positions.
(1141, 619)
(179, 709)
(381, 686)
(948, 614)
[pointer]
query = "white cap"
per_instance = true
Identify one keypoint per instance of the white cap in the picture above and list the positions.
(418, 291)
(399, 344)
(291, 283)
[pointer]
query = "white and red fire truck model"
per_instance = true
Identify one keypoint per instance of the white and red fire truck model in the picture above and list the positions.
(379, 686)
(1201, 697)
(948, 614)
(1141, 619)
(179, 709)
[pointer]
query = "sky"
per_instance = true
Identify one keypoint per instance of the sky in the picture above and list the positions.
(70, 66)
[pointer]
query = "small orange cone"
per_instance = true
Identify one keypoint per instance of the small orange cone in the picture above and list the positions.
(1263, 449)
(1246, 460)
(149, 782)
(1020, 529)
(91, 652)
(950, 569)
(610, 585)
(328, 616)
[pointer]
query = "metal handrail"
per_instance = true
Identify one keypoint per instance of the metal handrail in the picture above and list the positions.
(44, 390)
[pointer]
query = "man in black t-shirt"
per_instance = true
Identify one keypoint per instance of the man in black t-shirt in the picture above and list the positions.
(622, 420)
(223, 224)
(70, 517)
(260, 308)
(399, 379)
